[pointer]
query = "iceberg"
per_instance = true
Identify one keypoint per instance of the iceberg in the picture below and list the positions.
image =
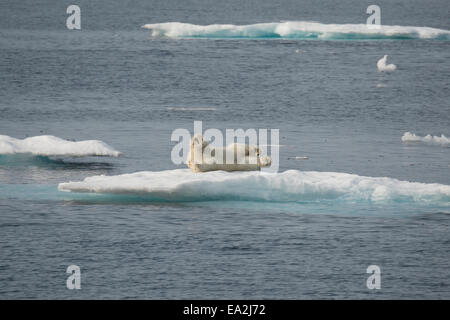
(289, 186)
(409, 137)
(53, 146)
(294, 30)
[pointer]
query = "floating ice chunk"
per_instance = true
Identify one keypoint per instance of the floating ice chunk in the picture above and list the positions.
(294, 30)
(288, 186)
(54, 146)
(428, 139)
(382, 67)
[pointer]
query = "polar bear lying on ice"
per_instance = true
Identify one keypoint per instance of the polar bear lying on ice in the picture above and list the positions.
(204, 157)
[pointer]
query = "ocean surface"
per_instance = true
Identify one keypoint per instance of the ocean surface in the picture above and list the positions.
(131, 87)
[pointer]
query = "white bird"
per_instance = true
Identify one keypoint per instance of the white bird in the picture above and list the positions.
(381, 65)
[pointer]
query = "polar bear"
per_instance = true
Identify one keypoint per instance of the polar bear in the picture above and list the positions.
(204, 157)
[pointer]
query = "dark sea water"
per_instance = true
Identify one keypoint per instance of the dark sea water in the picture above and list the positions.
(114, 82)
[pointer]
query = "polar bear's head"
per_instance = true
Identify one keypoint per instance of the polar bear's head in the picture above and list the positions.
(198, 145)
(197, 141)
(265, 161)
